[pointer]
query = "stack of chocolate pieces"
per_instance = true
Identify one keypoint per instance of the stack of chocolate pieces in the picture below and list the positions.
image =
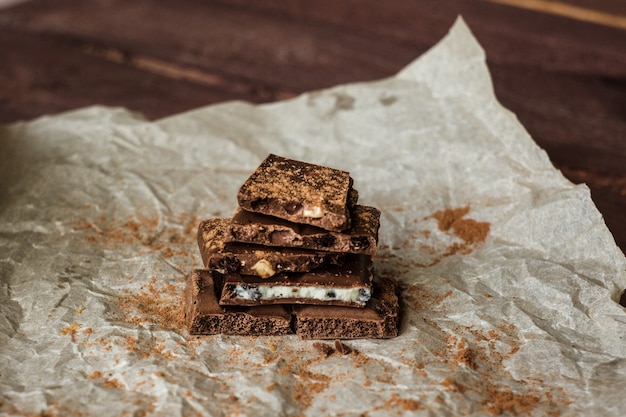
(295, 257)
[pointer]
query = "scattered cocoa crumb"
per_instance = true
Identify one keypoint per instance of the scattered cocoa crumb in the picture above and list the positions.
(466, 357)
(112, 383)
(460, 353)
(493, 334)
(359, 359)
(395, 401)
(95, 375)
(452, 385)
(406, 404)
(501, 401)
(385, 378)
(323, 348)
(131, 343)
(470, 231)
(342, 348)
(442, 297)
(155, 305)
(304, 391)
(71, 330)
(147, 233)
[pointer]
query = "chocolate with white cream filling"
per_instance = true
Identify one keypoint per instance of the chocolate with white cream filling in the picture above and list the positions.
(348, 285)
(378, 319)
(204, 316)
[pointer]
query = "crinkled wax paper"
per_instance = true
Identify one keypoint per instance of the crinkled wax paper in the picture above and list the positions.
(510, 278)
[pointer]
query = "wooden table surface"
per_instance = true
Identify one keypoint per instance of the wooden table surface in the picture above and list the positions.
(560, 66)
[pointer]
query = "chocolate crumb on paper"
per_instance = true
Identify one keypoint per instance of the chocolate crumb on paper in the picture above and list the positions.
(477, 360)
(323, 348)
(144, 234)
(156, 304)
(342, 348)
(71, 330)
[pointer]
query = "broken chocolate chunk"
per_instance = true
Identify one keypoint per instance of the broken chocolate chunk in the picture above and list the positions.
(299, 192)
(323, 348)
(204, 316)
(342, 348)
(362, 237)
(378, 319)
(249, 259)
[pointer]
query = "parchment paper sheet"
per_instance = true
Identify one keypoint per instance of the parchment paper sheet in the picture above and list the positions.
(510, 277)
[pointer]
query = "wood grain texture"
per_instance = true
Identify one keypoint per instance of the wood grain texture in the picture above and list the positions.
(575, 9)
(564, 78)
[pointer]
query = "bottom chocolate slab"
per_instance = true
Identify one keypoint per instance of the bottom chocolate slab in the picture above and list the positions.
(204, 316)
(378, 319)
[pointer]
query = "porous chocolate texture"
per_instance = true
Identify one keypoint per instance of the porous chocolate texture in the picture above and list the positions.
(378, 319)
(204, 316)
(361, 238)
(347, 285)
(249, 259)
(299, 192)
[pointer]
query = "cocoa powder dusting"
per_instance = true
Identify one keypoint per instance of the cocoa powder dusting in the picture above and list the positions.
(71, 331)
(477, 361)
(405, 404)
(142, 233)
(469, 230)
(480, 353)
(453, 221)
(501, 401)
(155, 305)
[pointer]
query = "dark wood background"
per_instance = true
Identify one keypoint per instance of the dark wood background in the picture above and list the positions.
(559, 65)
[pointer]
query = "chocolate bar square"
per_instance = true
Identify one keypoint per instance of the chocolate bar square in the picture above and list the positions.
(248, 259)
(204, 316)
(378, 319)
(361, 238)
(348, 285)
(299, 192)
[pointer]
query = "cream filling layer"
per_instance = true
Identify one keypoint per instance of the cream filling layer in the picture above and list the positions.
(272, 292)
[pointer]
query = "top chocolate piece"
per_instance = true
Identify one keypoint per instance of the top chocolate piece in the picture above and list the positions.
(299, 192)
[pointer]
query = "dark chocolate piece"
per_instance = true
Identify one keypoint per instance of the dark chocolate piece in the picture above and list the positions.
(342, 348)
(379, 318)
(248, 259)
(347, 285)
(203, 314)
(323, 348)
(259, 229)
(299, 192)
